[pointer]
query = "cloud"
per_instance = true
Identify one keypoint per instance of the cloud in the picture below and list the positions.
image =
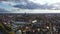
(2, 10)
(32, 5)
(9, 3)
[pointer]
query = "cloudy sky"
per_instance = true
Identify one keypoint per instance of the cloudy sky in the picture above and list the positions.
(16, 5)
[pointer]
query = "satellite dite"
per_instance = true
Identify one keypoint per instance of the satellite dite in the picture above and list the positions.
(29, 16)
